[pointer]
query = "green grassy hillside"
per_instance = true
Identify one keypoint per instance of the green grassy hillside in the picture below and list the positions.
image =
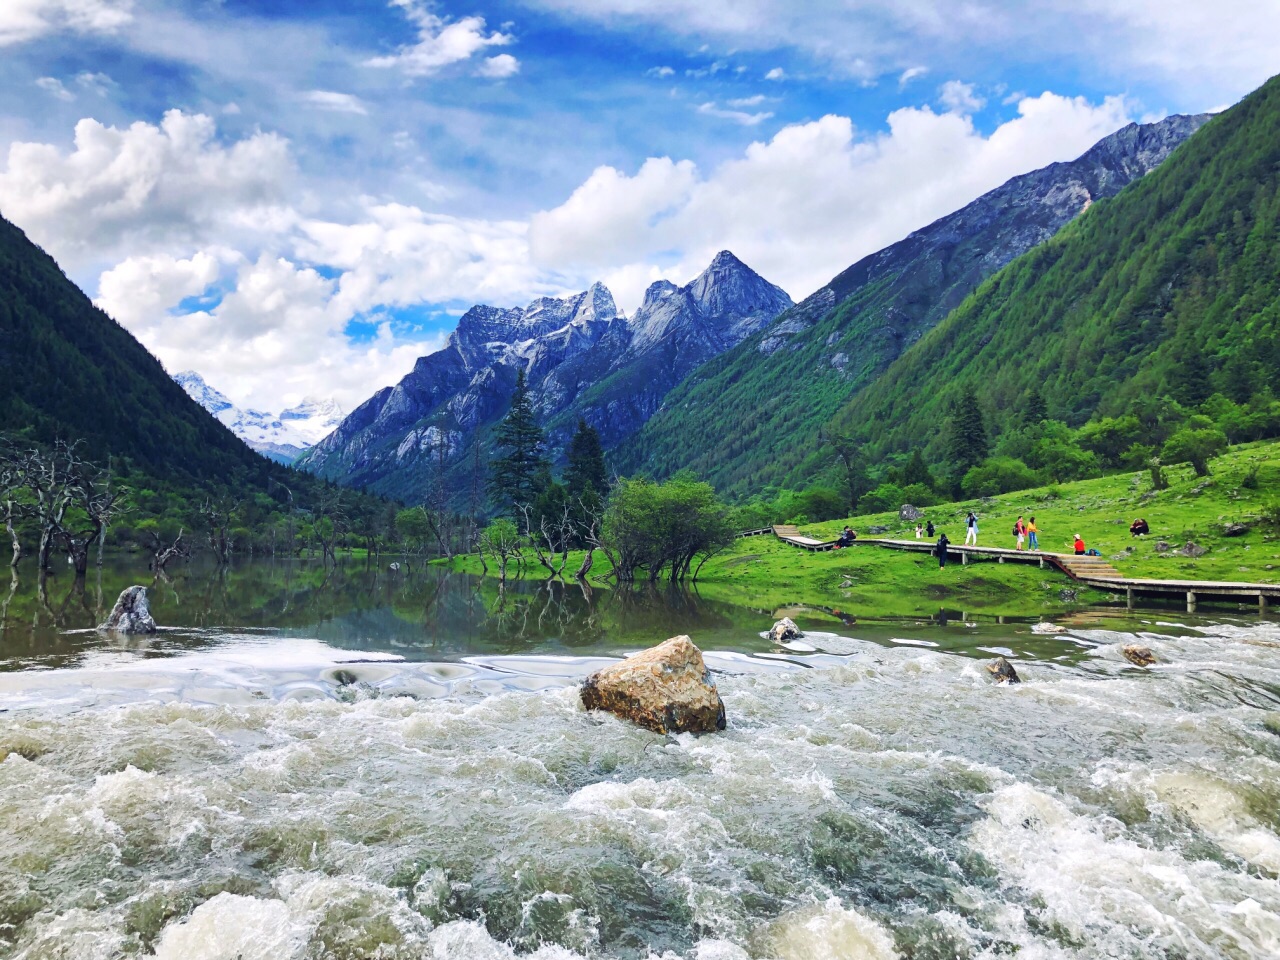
(1169, 291)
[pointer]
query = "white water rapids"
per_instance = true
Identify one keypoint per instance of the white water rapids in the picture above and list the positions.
(882, 802)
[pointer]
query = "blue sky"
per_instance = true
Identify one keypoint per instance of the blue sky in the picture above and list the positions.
(300, 197)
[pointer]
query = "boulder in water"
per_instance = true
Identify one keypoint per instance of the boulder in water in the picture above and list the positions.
(910, 513)
(785, 629)
(130, 614)
(667, 689)
(1003, 671)
(1138, 656)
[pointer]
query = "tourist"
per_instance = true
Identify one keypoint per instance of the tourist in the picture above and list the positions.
(929, 530)
(1079, 545)
(971, 529)
(1020, 531)
(1139, 528)
(919, 532)
(943, 543)
(847, 536)
(1032, 531)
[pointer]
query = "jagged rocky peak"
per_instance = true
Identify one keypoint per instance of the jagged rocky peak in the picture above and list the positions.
(658, 291)
(212, 400)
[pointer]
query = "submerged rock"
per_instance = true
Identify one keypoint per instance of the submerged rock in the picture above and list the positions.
(667, 689)
(130, 614)
(1138, 656)
(785, 629)
(1003, 671)
(1067, 595)
(1047, 628)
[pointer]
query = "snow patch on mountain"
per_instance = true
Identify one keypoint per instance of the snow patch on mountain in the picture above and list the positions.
(282, 436)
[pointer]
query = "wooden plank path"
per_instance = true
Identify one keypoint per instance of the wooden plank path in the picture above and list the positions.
(1091, 571)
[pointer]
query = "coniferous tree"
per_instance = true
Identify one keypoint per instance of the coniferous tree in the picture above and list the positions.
(586, 469)
(517, 471)
(967, 443)
(1036, 409)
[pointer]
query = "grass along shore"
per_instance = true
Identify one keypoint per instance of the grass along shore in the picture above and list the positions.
(869, 581)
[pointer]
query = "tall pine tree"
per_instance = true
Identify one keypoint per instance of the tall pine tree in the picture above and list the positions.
(967, 442)
(586, 469)
(518, 470)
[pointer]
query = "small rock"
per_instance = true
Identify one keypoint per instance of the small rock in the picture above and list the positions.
(1138, 656)
(1003, 671)
(1068, 596)
(785, 629)
(1193, 550)
(909, 513)
(876, 531)
(394, 567)
(130, 614)
(1046, 628)
(667, 689)
(1164, 546)
(1235, 529)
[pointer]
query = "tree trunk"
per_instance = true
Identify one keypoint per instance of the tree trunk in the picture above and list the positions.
(13, 538)
(587, 562)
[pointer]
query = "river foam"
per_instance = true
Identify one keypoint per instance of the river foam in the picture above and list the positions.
(883, 802)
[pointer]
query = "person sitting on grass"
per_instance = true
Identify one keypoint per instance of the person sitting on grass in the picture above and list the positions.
(847, 536)
(1079, 546)
(1139, 528)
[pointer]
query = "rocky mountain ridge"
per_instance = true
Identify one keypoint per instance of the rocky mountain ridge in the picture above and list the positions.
(282, 437)
(581, 355)
(789, 380)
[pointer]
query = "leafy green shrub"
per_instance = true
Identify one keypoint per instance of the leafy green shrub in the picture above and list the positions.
(998, 475)
(1196, 444)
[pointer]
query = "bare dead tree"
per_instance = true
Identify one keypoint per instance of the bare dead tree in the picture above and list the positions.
(218, 516)
(165, 555)
(550, 538)
(93, 506)
(10, 486)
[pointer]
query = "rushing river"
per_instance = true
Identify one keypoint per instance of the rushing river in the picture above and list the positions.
(312, 765)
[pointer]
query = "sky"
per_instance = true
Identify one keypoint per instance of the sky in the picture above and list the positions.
(300, 197)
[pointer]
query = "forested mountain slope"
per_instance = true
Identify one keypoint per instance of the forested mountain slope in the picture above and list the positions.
(784, 383)
(1171, 289)
(70, 372)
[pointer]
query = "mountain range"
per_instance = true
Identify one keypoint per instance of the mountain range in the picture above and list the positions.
(282, 437)
(582, 358)
(788, 381)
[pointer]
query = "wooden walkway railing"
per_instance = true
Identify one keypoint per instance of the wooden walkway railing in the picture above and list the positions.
(1091, 571)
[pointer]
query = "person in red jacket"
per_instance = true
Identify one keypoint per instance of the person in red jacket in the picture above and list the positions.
(1079, 546)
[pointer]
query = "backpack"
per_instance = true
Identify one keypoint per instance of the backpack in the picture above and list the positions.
(1016, 531)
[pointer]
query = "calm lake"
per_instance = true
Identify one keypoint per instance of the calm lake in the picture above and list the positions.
(361, 763)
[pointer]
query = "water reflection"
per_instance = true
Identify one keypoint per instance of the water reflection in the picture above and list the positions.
(429, 614)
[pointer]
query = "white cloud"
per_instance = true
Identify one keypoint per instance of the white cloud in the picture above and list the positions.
(24, 20)
(777, 73)
(97, 83)
(742, 102)
(710, 109)
(336, 102)
(500, 67)
(53, 86)
(661, 73)
(277, 334)
(145, 187)
(911, 73)
(440, 43)
(820, 197)
(960, 97)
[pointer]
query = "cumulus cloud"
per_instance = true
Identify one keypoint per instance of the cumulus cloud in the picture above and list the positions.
(145, 187)
(275, 336)
(440, 42)
(960, 97)
(24, 20)
(500, 67)
(820, 196)
(336, 102)
(777, 73)
(662, 73)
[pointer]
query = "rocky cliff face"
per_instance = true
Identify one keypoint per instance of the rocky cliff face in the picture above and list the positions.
(581, 356)
(794, 375)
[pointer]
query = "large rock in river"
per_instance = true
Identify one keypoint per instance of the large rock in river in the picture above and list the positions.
(130, 614)
(667, 689)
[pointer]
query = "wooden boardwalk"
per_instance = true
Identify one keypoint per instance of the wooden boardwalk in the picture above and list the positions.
(1090, 571)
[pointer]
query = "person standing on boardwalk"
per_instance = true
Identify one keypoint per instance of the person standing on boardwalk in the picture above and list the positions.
(1020, 531)
(929, 529)
(1032, 530)
(971, 529)
(919, 531)
(943, 543)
